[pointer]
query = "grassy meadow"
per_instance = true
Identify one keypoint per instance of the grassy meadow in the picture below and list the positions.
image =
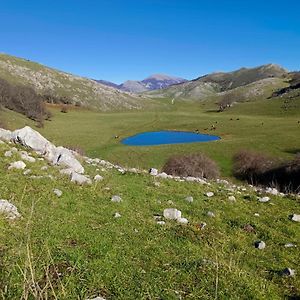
(72, 247)
(262, 125)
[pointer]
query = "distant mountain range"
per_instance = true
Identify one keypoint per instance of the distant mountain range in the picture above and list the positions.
(153, 82)
(245, 84)
(52, 83)
(248, 82)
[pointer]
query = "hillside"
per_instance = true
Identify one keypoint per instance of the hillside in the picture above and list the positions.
(62, 240)
(259, 78)
(153, 82)
(73, 89)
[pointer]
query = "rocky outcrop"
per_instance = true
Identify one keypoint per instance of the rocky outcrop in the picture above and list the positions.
(29, 138)
(32, 139)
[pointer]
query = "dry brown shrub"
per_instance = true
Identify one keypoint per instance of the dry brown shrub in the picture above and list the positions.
(195, 165)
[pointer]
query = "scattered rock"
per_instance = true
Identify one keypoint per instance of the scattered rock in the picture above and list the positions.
(256, 214)
(172, 214)
(98, 178)
(161, 222)
(5, 135)
(44, 168)
(189, 199)
(210, 214)
(117, 215)
(272, 191)
(116, 199)
(209, 194)
(260, 245)
(26, 172)
(25, 156)
(8, 153)
(153, 172)
(182, 220)
(121, 170)
(156, 183)
(57, 192)
(231, 199)
(9, 210)
(264, 199)
(20, 165)
(97, 298)
(295, 218)
(290, 245)
(163, 175)
(288, 272)
(80, 179)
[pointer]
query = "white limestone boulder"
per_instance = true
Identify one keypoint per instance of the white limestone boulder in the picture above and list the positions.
(98, 178)
(5, 135)
(80, 179)
(19, 165)
(56, 155)
(153, 172)
(32, 139)
(172, 214)
(65, 157)
(9, 210)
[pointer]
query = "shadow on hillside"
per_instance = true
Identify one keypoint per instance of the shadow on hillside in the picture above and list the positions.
(259, 169)
(292, 151)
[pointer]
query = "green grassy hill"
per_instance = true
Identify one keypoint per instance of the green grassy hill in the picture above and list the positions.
(77, 90)
(72, 247)
(252, 82)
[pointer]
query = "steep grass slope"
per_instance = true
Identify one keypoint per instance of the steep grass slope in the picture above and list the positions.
(77, 90)
(72, 247)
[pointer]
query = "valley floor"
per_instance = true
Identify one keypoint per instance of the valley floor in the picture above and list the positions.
(72, 247)
(262, 126)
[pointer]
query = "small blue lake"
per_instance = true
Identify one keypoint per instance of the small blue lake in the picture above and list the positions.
(167, 137)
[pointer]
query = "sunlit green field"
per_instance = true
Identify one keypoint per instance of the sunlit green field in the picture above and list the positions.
(263, 126)
(73, 248)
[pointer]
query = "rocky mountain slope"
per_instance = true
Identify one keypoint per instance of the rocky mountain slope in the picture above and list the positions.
(153, 82)
(75, 89)
(255, 80)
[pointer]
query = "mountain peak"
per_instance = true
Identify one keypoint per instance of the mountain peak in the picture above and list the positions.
(153, 82)
(162, 77)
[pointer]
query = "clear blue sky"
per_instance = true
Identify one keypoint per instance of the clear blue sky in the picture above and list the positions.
(118, 40)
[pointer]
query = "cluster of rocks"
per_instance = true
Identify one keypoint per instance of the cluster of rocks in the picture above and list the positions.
(154, 172)
(174, 214)
(31, 139)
